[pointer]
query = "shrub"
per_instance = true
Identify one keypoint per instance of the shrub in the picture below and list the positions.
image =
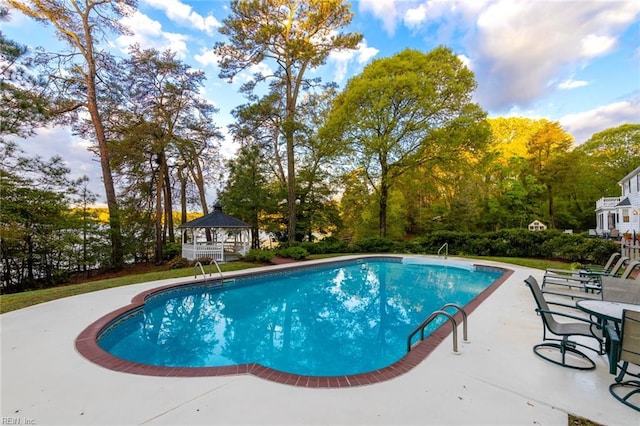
(507, 243)
(324, 246)
(264, 256)
(295, 252)
(171, 250)
(178, 263)
(374, 245)
(204, 261)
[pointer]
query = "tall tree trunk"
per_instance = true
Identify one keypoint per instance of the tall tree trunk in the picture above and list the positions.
(183, 202)
(291, 183)
(552, 210)
(198, 179)
(159, 209)
(384, 196)
(168, 207)
(115, 229)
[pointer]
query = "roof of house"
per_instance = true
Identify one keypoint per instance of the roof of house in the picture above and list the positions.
(624, 202)
(629, 176)
(216, 219)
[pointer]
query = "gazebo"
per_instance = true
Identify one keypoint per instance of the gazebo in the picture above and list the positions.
(229, 237)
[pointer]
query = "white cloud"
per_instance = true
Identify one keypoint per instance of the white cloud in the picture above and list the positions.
(520, 47)
(585, 124)
(465, 60)
(183, 14)
(340, 60)
(572, 84)
(594, 45)
(207, 57)
(416, 16)
(148, 34)
(385, 10)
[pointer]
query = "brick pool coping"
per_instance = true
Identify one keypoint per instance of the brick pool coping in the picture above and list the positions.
(87, 345)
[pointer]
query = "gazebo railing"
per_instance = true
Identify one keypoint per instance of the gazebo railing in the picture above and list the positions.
(213, 250)
(208, 250)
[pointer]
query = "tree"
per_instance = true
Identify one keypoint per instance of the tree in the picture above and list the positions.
(295, 36)
(82, 24)
(162, 128)
(37, 233)
(547, 152)
(23, 104)
(410, 110)
(246, 194)
(613, 153)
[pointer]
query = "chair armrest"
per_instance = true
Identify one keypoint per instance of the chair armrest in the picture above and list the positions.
(612, 346)
(566, 315)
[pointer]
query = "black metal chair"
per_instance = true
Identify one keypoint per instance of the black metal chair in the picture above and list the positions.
(624, 349)
(560, 350)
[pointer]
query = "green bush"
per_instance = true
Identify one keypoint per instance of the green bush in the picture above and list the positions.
(550, 244)
(178, 263)
(171, 250)
(263, 256)
(375, 245)
(324, 246)
(295, 252)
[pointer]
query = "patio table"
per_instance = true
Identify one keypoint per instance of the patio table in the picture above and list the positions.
(606, 310)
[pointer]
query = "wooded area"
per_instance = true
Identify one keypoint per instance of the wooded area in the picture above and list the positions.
(400, 152)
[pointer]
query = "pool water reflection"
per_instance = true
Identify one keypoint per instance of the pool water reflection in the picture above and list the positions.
(341, 319)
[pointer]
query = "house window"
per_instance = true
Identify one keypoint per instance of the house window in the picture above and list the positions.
(625, 215)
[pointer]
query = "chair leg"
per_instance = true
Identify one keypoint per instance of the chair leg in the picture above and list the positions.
(616, 388)
(570, 357)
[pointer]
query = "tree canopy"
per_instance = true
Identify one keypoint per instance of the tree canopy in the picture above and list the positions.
(407, 111)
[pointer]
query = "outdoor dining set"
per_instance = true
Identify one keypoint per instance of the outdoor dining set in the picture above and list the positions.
(595, 308)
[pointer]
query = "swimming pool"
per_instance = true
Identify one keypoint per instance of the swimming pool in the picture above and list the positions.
(338, 319)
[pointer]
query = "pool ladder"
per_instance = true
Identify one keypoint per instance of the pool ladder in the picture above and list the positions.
(451, 319)
(204, 276)
(444, 247)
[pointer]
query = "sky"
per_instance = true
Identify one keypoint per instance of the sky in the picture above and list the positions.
(574, 62)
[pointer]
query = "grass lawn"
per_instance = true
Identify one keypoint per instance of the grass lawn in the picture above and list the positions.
(11, 302)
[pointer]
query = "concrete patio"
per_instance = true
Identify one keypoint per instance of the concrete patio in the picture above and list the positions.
(496, 378)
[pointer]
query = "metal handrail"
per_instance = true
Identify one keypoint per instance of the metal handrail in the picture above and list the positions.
(446, 252)
(426, 322)
(195, 270)
(213, 261)
(464, 318)
(451, 319)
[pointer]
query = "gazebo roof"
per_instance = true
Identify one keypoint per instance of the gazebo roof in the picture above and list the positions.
(216, 219)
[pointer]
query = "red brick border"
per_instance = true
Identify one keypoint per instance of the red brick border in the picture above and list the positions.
(87, 345)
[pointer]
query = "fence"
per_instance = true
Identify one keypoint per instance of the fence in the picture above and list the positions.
(631, 249)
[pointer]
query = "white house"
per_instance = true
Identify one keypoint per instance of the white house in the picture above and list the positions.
(617, 215)
(536, 225)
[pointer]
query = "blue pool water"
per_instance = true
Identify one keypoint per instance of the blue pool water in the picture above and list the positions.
(341, 319)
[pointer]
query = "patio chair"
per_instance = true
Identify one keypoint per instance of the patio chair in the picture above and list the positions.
(560, 350)
(628, 271)
(625, 289)
(588, 268)
(607, 266)
(624, 349)
(587, 281)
